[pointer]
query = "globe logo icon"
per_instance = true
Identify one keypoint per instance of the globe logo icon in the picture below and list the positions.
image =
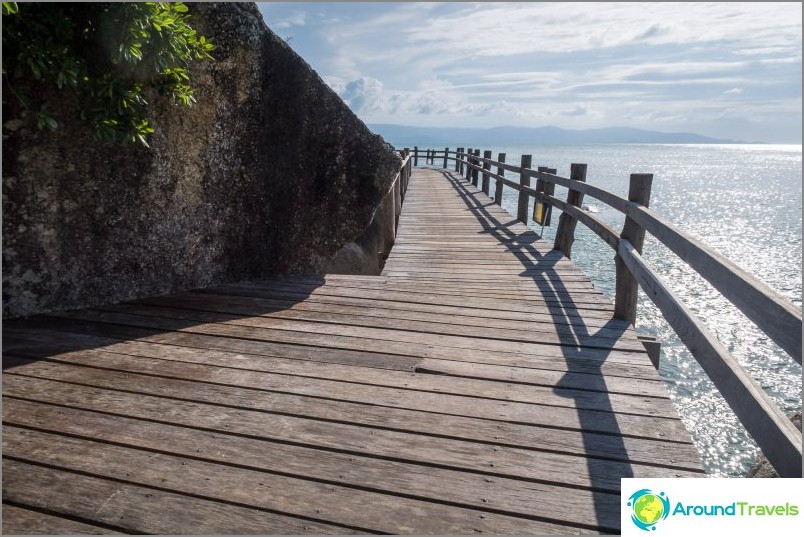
(648, 508)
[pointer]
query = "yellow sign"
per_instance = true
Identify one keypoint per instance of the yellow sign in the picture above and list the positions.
(541, 212)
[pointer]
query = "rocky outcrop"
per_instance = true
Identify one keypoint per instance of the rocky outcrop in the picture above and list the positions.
(268, 173)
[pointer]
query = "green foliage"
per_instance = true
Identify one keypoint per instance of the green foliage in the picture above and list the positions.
(107, 54)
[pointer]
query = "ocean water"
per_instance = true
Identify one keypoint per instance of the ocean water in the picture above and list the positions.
(744, 201)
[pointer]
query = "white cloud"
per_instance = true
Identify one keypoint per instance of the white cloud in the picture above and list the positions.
(559, 27)
(574, 65)
(298, 18)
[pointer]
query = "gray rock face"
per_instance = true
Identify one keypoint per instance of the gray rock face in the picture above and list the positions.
(268, 173)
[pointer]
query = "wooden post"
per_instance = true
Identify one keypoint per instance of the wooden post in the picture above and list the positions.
(415, 155)
(498, 187)
(524, 180)
(446, 154)
(475, 172)
(486, 168)
(458, 156)
(625, 299)
(468, 168)
(547, 188)
(565, 234)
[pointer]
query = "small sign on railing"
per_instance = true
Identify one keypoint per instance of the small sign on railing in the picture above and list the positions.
(542, 212)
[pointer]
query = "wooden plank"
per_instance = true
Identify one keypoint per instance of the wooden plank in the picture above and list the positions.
(35, 396)
(535, 292)
(402, 362)
(442, 347)
(382, 317)
(346, 324)
(43, 343)
(395, 297)
(24, 521)
(379, 513)
(292, 376)
(139, 509)
(346, 470)
(593, 420)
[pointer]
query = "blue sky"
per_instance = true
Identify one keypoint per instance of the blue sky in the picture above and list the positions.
(728, 70)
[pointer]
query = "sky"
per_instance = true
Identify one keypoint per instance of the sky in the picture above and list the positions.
(726, 70)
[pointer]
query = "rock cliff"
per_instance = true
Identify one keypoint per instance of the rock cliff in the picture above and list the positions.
(268, 173)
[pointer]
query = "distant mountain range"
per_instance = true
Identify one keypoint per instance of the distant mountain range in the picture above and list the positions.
(402, 136)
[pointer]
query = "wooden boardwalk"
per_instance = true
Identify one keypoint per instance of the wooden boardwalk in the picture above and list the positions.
(479, 385)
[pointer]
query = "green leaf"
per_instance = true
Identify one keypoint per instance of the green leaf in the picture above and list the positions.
(153, 44)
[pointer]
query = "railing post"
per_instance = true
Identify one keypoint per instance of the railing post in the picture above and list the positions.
(524, 180)
(446, 154)
(415, 155)
(475, 173)
(498, 187)
(625, 299)
(468, 167)
(565, 234)
(458, 165)
(486, 168)
(547, 188)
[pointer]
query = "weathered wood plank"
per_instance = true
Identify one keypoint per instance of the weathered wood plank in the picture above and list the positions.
(34, 344)
(344, 470)
(140, 509)
(209, 391)
(344, 324)
(443, 347)
(30, 395)
(291, 373)
(24, 521)
(315, 354)
(379, 513)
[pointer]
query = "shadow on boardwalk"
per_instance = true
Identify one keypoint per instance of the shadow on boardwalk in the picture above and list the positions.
(539, 268)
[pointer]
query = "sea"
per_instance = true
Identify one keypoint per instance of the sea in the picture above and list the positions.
(743, 201)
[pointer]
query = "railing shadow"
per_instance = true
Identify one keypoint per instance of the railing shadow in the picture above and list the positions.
(540, 269)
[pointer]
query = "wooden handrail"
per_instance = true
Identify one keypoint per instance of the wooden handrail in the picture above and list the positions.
(775, 315)
(776, 435)
(771, 312)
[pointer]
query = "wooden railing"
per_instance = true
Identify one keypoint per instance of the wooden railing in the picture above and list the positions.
(772, 313)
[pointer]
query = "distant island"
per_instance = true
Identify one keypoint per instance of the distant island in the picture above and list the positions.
(402, 135)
